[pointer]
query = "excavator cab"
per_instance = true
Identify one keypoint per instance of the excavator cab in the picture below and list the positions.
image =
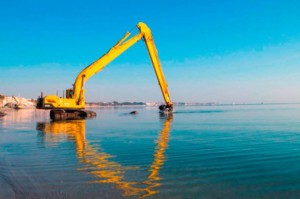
(69, 93)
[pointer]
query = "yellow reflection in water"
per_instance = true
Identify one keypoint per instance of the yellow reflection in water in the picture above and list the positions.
(96, 162)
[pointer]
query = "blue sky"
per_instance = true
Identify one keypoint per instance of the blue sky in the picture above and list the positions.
(211, 51)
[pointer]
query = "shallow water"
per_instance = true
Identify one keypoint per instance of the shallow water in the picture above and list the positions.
(197, 152)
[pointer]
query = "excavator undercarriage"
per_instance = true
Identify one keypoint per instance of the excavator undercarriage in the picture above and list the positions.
(69, 114)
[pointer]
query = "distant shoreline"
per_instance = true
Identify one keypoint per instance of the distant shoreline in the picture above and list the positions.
(89, 104)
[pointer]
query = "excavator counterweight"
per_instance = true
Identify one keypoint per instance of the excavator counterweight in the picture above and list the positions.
(74, 102)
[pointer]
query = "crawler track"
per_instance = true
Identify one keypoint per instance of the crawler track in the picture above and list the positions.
(71, 114)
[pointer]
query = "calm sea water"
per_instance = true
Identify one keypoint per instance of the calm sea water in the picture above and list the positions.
(197, 152)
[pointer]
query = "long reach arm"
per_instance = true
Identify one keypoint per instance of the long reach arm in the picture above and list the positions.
(75, 98)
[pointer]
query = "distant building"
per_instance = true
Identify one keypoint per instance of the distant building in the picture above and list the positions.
(2, 98)
(151, 104)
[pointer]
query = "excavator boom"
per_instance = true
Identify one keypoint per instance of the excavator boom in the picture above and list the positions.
(75, 97)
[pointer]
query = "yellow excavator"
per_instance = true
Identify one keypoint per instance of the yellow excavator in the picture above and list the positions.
(71, 107)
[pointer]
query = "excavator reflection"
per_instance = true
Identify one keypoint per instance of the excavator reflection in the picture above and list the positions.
(98, 163)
